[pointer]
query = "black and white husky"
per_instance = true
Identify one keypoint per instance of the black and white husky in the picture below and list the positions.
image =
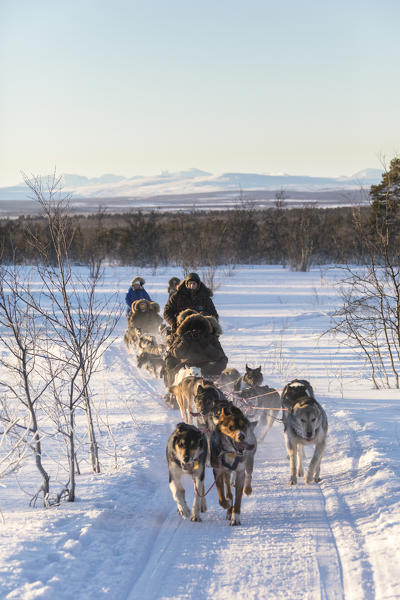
(186, 455)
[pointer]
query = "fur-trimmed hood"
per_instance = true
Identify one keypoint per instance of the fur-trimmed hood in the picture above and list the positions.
(216, 327)
(151, 306)
(138, 280)
(195, 322)
(202, 289)
(174, 281)
(185, 313)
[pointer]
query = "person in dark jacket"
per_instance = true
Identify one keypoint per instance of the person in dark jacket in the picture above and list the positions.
(172, 285)
(190, 293)
(195, 344)
(136, 292)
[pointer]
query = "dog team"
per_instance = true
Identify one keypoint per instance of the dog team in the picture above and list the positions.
(219, 407)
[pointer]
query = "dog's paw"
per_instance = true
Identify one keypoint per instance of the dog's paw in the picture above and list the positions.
(225, 504)
(184, 512)
(235, 519)
(293, 481)
(195, 518)
(248, 490)
(229, 513)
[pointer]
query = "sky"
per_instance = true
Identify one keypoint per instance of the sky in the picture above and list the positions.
(135, 88)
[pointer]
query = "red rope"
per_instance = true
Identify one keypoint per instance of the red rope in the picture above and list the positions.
(205, 494)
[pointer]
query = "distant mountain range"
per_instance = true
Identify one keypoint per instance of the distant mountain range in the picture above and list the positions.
(195, 181)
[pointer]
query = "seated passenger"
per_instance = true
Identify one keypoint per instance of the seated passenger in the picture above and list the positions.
(190, 293)
(136, 292)
(195, 344)
(145, 316)
(172, 285)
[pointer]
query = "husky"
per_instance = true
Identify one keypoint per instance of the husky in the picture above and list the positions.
(305, 424)
(186, 372)
(153, 363)
(294, 390)
(261, 402)
(251, 378)
(209, 402)
(185, 392)
(131, 338)
(229, 380)
(206, 399)
(148, 343)
(232, 448)
(186, 454)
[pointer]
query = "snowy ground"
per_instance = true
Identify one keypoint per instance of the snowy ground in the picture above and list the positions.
(123, 539)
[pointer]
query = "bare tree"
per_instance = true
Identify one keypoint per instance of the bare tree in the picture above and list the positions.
(369, 318)
(20, 339)
(280, 199)
(300, 238)
(78, 322)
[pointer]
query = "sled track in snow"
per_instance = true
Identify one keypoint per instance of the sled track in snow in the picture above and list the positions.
(182, 559)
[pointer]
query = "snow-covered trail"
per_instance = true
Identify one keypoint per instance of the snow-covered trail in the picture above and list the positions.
(123, 540)
(284, 547)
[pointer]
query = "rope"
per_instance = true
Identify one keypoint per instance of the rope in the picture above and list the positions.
(223, 385)
(259, 396)
(205, 493)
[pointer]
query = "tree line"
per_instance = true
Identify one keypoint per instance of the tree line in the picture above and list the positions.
(296, 237)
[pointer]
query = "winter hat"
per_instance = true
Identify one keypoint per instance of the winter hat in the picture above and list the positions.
(174, 281)
(192, 277)
(139, 280)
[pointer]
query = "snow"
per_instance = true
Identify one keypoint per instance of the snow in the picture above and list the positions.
(123, 539)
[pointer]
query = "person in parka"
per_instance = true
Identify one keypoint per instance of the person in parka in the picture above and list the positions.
(172, 285)
(136, 292)
(145, 316)
(195, 344)
(190, 293)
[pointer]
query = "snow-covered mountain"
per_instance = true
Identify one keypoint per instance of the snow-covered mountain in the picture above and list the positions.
(195, 181)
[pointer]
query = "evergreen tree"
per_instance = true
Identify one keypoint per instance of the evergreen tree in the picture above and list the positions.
(386, 200)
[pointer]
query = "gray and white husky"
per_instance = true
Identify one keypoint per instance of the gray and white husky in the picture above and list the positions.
(305, 424)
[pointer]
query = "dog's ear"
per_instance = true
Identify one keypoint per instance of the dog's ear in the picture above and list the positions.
(200, 389)
(259, 369)
(226, 410)
(180, 428)
(247, 368)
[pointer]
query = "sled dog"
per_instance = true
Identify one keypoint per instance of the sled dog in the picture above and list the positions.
(251, 378)
(186, 454)
(148, 343)
(186, 372)
(232, 447)
(131, 338)
(294, 390)
(153, 363)
(185, 392)
(261, 402)
(305, 424)
(229, 380)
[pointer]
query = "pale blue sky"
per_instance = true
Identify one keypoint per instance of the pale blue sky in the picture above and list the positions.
(120, 86)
